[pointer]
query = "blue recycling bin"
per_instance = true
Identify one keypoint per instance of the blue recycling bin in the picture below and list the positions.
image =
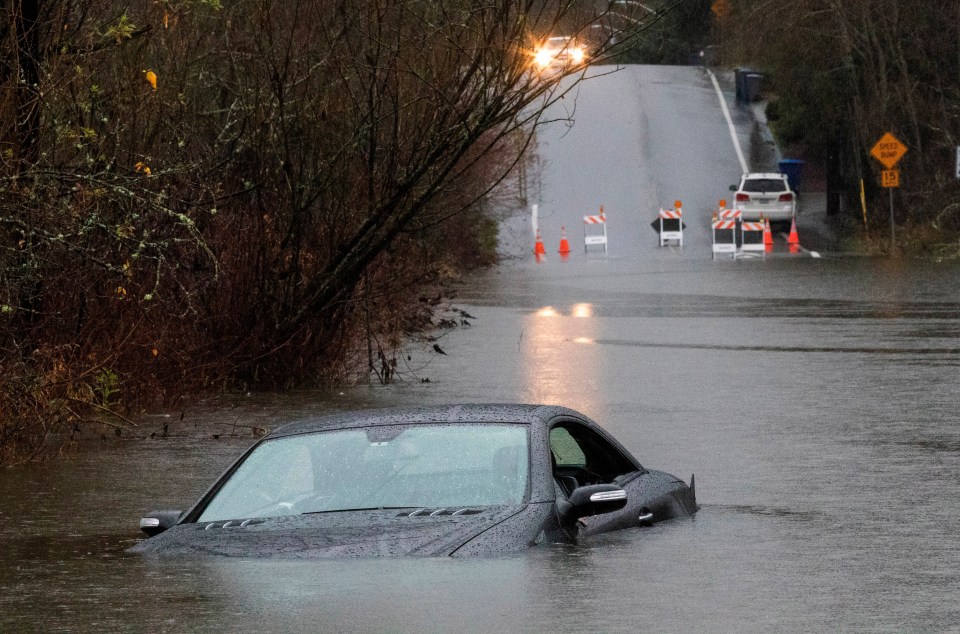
(793, 168)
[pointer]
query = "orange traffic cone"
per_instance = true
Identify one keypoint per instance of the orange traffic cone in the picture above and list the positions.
(538, 248)
(794, 238)
(564, 244)
(767, 236)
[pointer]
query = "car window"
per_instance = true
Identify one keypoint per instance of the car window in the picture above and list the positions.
(284, 472)
(419, 466)
(566, 451)
(764, 185)
(585, 456)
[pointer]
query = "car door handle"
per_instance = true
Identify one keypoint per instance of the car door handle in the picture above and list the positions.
(646, 517)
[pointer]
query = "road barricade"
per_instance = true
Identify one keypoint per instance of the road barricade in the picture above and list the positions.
(671, 225)
(751, 236)
(595, 239)
(729, 214)
(724, 236)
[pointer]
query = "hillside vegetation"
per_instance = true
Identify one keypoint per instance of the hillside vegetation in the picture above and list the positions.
(840, 74)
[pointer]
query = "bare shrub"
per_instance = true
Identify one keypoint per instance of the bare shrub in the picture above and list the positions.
(197, 195)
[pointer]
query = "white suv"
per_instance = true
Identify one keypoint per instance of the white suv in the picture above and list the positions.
(767, 195)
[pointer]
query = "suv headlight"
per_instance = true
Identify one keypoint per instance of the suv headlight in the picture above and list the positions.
(543, 58)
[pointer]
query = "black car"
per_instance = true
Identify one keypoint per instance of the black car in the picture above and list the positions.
(449, 480)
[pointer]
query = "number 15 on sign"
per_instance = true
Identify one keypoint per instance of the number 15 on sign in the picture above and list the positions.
(890, 178)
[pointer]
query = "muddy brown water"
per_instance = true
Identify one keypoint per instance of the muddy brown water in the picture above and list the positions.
(816, 401)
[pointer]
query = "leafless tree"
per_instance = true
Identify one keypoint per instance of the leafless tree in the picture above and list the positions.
(196, 193)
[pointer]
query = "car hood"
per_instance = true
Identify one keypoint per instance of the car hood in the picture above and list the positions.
(363, 533)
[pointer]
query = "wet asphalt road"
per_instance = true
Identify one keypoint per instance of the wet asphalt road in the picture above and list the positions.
(815, 399)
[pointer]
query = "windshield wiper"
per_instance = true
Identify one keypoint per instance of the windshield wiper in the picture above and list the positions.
(368, 508)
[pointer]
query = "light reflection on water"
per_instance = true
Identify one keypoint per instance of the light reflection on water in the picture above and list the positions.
(555, 369)
(582, 310)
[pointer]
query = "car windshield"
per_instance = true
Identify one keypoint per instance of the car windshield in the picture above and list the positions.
(764, 185)
(413, 466)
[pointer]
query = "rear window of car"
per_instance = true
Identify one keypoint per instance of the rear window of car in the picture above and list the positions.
(764, 185)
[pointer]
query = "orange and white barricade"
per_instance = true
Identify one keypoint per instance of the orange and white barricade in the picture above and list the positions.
(722, 230)
(725, 224)
(729, 214)
(596, 238)
(671, 224)
(751, 236)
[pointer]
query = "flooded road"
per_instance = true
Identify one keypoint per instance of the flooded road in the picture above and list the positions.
(815, 399)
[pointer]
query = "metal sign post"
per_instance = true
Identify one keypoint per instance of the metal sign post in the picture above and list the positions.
(889, 150)
(893, 229)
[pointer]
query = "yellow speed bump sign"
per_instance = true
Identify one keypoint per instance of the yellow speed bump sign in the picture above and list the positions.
(888, 150)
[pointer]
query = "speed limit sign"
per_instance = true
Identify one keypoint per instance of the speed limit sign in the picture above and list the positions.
(890, 178)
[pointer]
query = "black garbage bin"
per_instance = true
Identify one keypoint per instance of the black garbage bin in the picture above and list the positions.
(752, 86)
(740, 83)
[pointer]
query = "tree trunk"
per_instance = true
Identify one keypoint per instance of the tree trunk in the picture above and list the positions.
(27, 75)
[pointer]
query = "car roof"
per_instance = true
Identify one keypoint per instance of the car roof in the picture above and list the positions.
(773, 175)
(528, 414)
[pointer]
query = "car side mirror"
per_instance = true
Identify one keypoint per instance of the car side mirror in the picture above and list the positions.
(594, 499)
(155, 522)
(733, 188)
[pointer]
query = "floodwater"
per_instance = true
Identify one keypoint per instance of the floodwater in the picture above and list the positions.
(814, 399)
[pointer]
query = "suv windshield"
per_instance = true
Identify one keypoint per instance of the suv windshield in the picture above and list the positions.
(764, 185)
(412, 466)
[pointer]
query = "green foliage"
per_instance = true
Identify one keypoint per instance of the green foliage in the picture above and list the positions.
(107, 386)
(122, 29)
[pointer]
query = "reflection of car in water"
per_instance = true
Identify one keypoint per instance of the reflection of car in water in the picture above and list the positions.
(448, 480)
(560, 51)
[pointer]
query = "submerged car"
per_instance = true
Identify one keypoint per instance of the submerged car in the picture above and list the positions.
(454, 480)
(765, 195)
